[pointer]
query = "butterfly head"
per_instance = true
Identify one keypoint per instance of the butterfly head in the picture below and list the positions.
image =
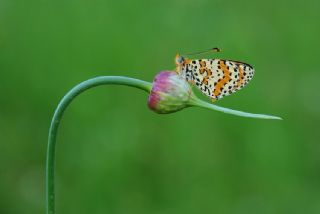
(179, 60)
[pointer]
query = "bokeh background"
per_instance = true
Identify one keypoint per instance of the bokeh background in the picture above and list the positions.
(116, 156)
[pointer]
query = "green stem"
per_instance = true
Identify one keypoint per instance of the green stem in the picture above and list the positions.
(197, 102)
(64, 103)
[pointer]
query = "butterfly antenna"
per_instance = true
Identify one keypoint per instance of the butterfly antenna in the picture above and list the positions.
(203, 52)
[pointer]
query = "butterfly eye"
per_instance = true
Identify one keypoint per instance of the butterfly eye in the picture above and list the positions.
(180, 60)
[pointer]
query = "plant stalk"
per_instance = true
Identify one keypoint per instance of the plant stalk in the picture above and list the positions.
(194, 101)
(55, 122)
(108, 80)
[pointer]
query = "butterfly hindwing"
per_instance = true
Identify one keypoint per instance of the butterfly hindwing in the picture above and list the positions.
(217, 78)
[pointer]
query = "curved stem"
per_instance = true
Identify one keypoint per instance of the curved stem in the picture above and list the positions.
(64, 103)
(197, 102)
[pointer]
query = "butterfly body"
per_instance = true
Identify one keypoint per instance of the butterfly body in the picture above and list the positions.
(215, 78)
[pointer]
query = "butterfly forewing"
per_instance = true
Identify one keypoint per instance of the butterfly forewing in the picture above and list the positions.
(216, 78)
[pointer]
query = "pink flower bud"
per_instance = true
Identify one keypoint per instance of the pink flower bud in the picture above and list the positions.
(170, 93)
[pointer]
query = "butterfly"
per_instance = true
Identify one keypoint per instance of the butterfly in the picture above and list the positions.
(215, 78)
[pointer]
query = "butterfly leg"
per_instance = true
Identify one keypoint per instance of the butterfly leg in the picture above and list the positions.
(213, 100)
(191, 82)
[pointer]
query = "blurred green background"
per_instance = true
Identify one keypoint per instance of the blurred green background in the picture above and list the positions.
(116, 156)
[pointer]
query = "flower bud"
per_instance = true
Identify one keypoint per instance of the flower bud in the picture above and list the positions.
(170, 93)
